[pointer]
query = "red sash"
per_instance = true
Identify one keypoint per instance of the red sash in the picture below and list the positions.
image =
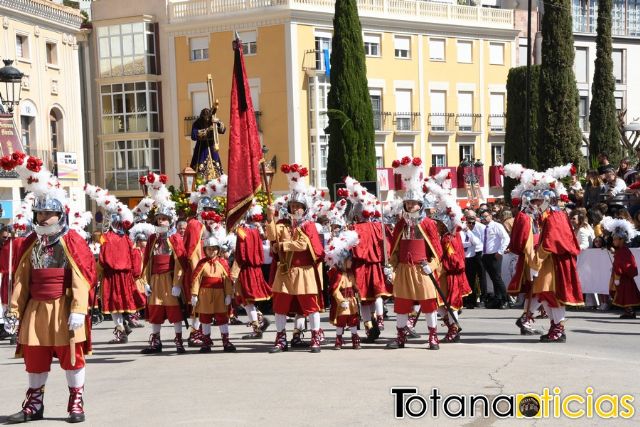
(301, 259)
(162, 264)
(412, 251)
(212, 283)
(347, 292)
(49, 283)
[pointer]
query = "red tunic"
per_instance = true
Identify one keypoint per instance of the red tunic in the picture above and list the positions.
(517, 245)
(368, 261)
(250, 257)
(454, 284)
(119, 291)
(13, 246)
(626, 294)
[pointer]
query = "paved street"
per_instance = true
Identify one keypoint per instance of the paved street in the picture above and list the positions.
(347, 387)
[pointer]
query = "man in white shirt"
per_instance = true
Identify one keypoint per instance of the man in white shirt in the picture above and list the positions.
(612, 184)
(495, 241)
(472, 243)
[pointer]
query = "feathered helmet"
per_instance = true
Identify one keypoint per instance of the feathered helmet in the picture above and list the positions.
(79, 219)
(120, 217)
(157, 190)
(296, 175)
(339, 248)
(410, 171)
(320, 206)
(141, 232)
(538, 185)
(619, 228)
(49, 196)
(364, 205)
(216, 235)
(204, 198)
(447, 209)
(142, 209)
(255, 213)
(282, 213)
(339, 209)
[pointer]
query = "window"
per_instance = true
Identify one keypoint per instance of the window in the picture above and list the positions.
(439, 156)
(249, 42)
(199, 47)
(496, 117)
(402, 47)
(583, 113)
(27, 131)
(581, 64)
(376, 106)
(323, 43)
(379, 155)
(22, 46)
(522, 51)
(127, 49)
(125, 161)
(465, 51)
(618, 64)
(404, 150)
(57, 136)
(403, 109)
(497, 154)
(438, 110)
(320, 90)
(466, 153)
(199, 101)
(372, 44)
(320, 162)
(52, 53)
(130, 107)
(465, 111)
(496, 53)
(437, 49)
(619, 98)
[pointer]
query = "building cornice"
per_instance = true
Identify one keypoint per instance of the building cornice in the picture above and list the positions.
(47, 11)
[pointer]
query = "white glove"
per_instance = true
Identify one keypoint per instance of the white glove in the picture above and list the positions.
(534, 273)
(344, 304)
(388, 271)
(147, 289)
(194, 300)
(616, 282)
(426, 268)
(175, 291)
(76, 321)
(227, 300)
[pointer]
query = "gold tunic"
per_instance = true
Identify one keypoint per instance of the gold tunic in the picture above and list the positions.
(211, 300)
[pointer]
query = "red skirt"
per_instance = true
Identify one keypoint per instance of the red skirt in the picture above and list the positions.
(370, 280)
(457, 289)
(626, 294)
(253, 287)
(120, 293)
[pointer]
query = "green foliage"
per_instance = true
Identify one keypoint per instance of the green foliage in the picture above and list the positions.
(351, 133)
(603, 124)
(515, 147)
(560, 137)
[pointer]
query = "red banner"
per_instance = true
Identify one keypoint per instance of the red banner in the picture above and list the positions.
(9, 138)
(495, 176)
(470, 172)
(245, 151)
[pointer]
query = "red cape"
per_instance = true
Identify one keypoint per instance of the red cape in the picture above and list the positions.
(370, 245)
(520, 233)
(116, 252)
(249, 251)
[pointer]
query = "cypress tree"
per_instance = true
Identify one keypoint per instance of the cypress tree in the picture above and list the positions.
(560, 137)
(351, 133)
(515, 140)
(603, 124)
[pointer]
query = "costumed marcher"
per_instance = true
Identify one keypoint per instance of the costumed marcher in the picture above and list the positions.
(556, 283)
(416, 257)
(212, 289)
(622, 284)
(525, 235)
(120, 296)
(51, 292)
(453, 280)
(297, 284)
(164, 261)
(369, 257)
(251, 285)
(139, 235)
(342, 284)
(204, 131)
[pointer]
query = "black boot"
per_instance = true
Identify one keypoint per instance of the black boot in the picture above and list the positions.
(75, 408)
(32, 407)
(155, 345)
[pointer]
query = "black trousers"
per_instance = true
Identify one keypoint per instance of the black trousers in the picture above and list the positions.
(475, 270)
(493, 267)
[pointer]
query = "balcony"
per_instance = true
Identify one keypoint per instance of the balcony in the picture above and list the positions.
(382, 122)
(468, 124)
(407, 123)
(441, 123)
(497, 124)
(187, 11)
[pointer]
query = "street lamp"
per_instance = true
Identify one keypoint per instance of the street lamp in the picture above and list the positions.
(10, 85)
(188, 180)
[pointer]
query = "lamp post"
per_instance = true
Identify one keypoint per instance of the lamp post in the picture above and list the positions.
(188, 180)
(10, 86)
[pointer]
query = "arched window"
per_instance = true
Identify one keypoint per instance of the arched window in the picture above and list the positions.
(28, 114)
(57, 135)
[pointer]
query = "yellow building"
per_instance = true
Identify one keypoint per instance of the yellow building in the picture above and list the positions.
(437, 76)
